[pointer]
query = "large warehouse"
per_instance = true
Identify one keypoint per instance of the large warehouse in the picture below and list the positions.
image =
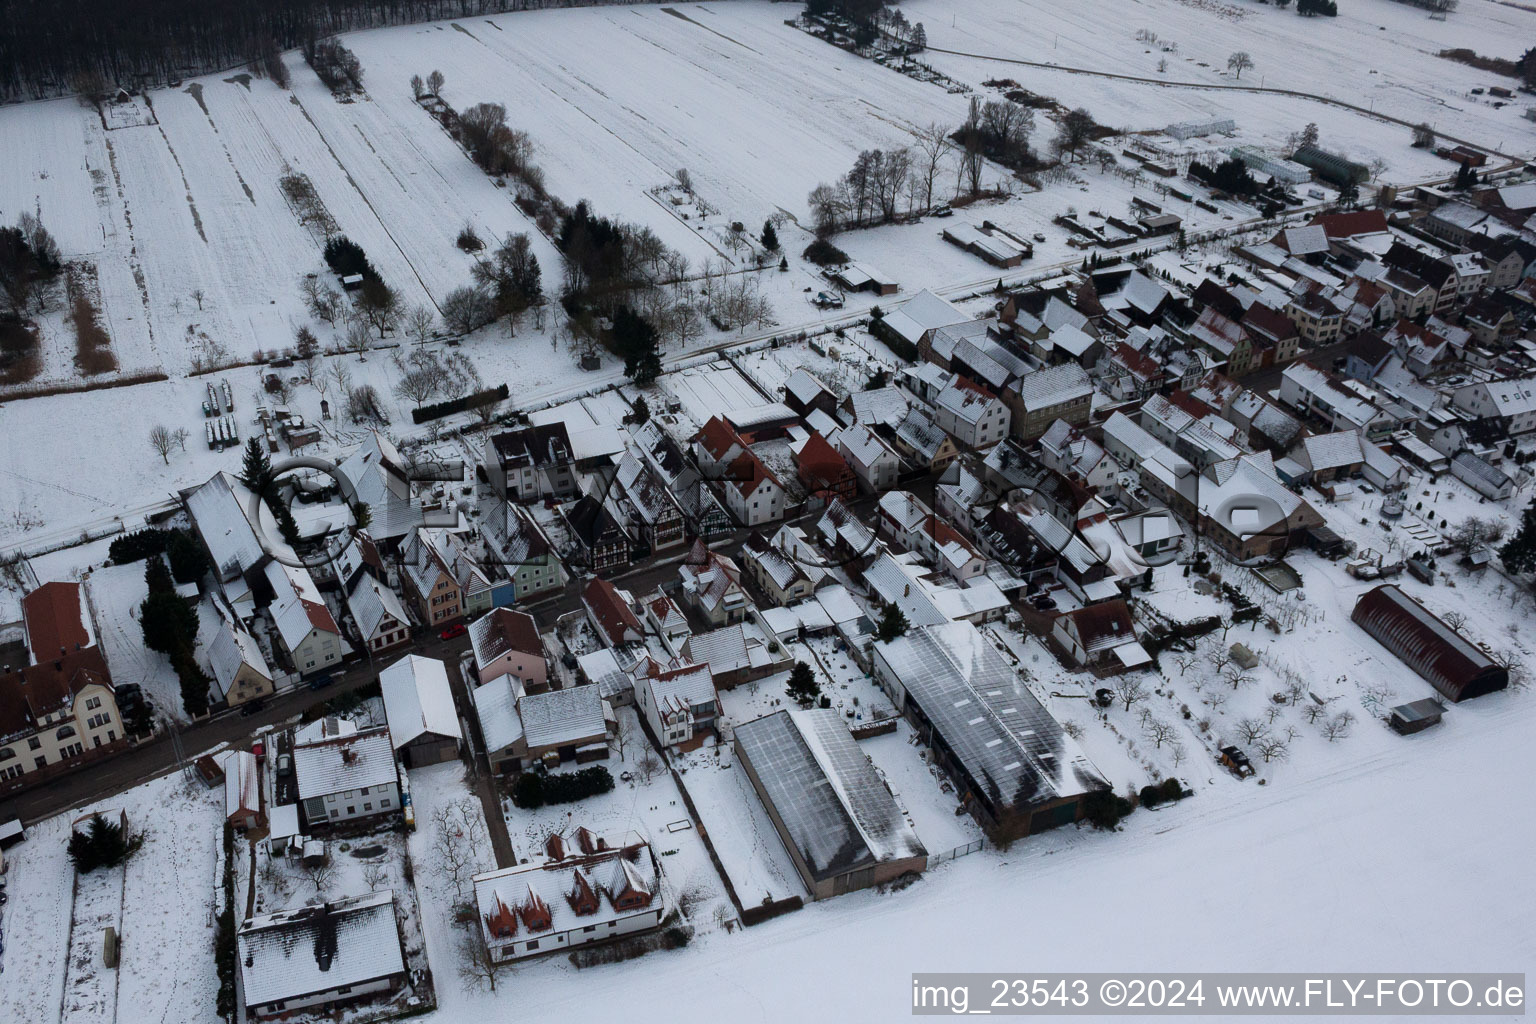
(1015, 767)
(1428, 645)
(839, 822)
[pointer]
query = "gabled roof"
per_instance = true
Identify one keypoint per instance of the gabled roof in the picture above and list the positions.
(805, 387)
(881, 405)
(349, 760)
(1355, 222)
(821, 465)
(1054, 385)
(501, 630)
(297, 607)
(55, 620)
(1102, 626)
(717, 438)
(610, 611)
(370, 601)
(560, 717)
(312, 949)
(923, 312)
(418, 701)
(232, 648)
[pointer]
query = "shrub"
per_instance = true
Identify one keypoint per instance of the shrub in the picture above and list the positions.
(188, 563)
(1104, 809)
(528, 791)
(102, 843)
(346, 257)
(572, 786)
(824, 253)
(1171, 789)
(1151, 796)
(471, 401)
(131, 547)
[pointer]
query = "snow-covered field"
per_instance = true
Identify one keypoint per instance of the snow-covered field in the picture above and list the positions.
(161, 900)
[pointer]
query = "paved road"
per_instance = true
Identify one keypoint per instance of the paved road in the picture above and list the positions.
(1268, 379)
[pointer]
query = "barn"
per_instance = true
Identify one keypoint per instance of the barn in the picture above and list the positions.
(1427, 644)
(423, 723)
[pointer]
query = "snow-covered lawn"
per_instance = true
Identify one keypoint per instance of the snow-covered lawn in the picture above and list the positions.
(161, 902)
(115, 593)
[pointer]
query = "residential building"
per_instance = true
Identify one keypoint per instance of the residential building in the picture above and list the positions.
(439, 597)
(922, 444)
(1483, 477)
(379, 615)
(651, 511)
(704, 514)
(823, 471)
(780, 575)
(677, 701)
(418, 704)
(507, 642)
(1062, 392)
(804, 392)
(320, 957)
(304, 625)
(531, 463)
(579, 892)
(611, 612)
(344, 773)
(239, 669)
(601, 540)
(1511, 404)
(563, 725)
(838, 820)
(518, 544)
(873, 461)
(60, 710)
(1318, 321)
(381, 480)
(1101, 637)
(915, 318)
(712, 585)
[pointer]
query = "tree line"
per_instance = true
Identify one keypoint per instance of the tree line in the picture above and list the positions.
(51, 47)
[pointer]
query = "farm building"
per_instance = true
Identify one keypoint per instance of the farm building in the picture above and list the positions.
(1013, 766)
(1287, 171)
(1428, 645)
(917, 316)
(1199, 129)
(423, 725)
(839, 822)
(1332, 167)
(861, 277)
(997, 251)
(1416, 716)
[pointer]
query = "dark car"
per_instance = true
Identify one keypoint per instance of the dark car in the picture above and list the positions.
(321, 681)
(1044, 603)
(453, 632)
(250, 708)
(129, 692)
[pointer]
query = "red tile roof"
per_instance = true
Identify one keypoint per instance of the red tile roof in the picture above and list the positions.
(30, 693)
(717, 438)
(1346, 225)
(612, 613)
(747, 473)
(821, 465)
(55, 619)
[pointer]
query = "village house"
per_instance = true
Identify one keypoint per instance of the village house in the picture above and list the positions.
(653, 513)
(780, 576)
(531, 463)
(436, 591)
(518, 544)
(804, 392)
(601, 540)
(379, 615)
(507, 642)
(1100, 637)
(611, 612)
(823, 470)
(344, 773)
(581, 890)
(678, 702)
(320, 957)
(874, 462)
(304, 624)
(1062, 392)
(60, 710)
(711, 584)
(921, 443)
(418, 705)
(239, 669)
(705, 516)
(1508, 404)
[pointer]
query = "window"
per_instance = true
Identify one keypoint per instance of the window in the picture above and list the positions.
(7, 754)
(533, 945)
(65, 732)
(92, 703)
(40, 761)
(363, 791)
(383, 803)
(33, 743)
(352, 809)
(111, 735)
(367, 807)
(96, 740)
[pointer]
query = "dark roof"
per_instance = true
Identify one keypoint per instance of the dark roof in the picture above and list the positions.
(26, 695)
(610, 612)
(545, 445)
(1427, 644)
(1211, 295)
(1355, 222)
(1369, 347)
(592, 525)
(1423, 265)
(1104, 625)
(821, 465)
(1269, 324)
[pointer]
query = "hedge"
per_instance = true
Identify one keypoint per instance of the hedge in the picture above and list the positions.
(136, 546)
(470, 401)
(533, 790)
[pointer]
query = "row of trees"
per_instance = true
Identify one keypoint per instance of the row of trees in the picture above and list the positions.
(50, 47)
(169, 624)
(337, 66)
(29, 263)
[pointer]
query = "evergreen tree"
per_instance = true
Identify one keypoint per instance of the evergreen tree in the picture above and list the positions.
(188, 563)
(1526, 65)
(256, 470)
(1464, 178)
(893, 623)
(770, 237)
(641, 413)
(635, 339)
(102, 843)
(1519, 552)
(803, 688)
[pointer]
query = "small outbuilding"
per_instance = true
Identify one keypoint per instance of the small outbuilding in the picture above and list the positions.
(423, 723)
(1417, 715)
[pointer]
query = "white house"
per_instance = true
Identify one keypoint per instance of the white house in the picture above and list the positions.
(304, 624)
(320, 956)
(582, 890)
(343, 773)
(679, 703)
(874, 462)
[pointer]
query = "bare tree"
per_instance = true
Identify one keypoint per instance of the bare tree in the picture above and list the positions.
(1252, 728)
(1337, 727)
(435, 83)
(375, 875)
(1186, 660)
(417, 386)
(1236, 675)
(418, 87)
(1128, 690)
(1455, 620)
(1314, 711)
(358, 338)
(198, 295)
(452, 846)
(1219, 657)
(476, 964)
(1274, 748)
(684, 180)
(1423, 136)
(342, 376)
(972, 157)
(1179, 753)
(932, 146)
(1075, 128)
(320, 870)
(162, 441)
(649, 766)
(182, 435)
(1159, 732)
(419, 323)
(1239, 62)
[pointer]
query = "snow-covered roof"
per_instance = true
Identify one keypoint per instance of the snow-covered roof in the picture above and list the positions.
(729, 648)
(231, 648)
(501, 630)
(297, 607)
(600, 441)
(838, 603)
(496, 707)
(837, 810)
(559, 717)
(680, 687)
(220, 511)
(923, 312)
(379, 475)
(1009, 745)
(319, 948)
(805, 386)
(881, 405)
(499, 895)
(345, 762)
(370, 601)
(1333, 451)
(863, 445)
(602, 669)
(1054, 385)
(895, 581)
(241, 783)
(417, 700)
(994, 246)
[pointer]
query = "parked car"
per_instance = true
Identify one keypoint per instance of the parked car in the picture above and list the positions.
(250, 708)
(453, 632)
(284, 764)
(321, 681)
